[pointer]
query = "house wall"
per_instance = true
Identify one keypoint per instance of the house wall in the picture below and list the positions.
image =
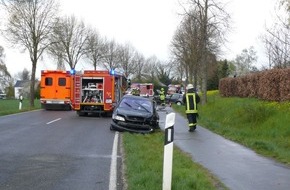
(23, 89)
(17, 92)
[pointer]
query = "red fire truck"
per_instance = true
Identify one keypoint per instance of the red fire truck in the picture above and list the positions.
(55, 89)
(146, 89)
(173, 88)
(96, 91)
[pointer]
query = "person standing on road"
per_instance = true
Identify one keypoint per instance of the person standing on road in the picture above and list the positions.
(191, 99)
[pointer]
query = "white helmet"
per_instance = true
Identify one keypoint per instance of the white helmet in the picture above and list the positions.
(189, 86)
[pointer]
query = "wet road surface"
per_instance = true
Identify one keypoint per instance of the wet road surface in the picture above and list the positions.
(56, 150)
(238, 167)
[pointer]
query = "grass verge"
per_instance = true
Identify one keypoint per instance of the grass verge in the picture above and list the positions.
(144, 165)
(11, 106)
(260, 125)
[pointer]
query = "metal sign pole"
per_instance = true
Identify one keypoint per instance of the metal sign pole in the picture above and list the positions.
(168, 151)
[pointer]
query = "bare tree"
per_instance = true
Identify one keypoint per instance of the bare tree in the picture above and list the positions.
(163, 72)
(150, 68)
(186, 48)
(95, 48)
(244, 62)
(179, 51)
(277, 48)
(23, 75)
(29, 24)
(178, 70)
(111, 55)
(55, 50)
(5, 76)
(60, 62)
(2, 55)
(277, 40)
(139, 62)
(286, 5)
(213, 23)
(180, 56)
(68, 40)
(126, 59)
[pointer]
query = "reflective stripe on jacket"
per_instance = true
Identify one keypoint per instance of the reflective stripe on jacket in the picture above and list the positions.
(162, 95)
(191, 106)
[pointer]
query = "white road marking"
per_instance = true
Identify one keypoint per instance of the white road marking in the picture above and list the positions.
(53, 121)
(113, 169)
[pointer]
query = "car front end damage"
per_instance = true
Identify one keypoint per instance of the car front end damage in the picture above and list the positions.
(145, 123)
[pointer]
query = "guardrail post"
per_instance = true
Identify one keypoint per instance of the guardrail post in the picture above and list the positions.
(168, 151)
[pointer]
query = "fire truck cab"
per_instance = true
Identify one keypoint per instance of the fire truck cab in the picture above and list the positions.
(96, 91)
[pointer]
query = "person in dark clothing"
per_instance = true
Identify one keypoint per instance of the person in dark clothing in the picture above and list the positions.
(191, 99)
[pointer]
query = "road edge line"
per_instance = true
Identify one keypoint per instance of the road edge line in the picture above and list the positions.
(113, 168)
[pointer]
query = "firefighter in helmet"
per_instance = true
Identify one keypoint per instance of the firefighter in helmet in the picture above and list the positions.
(191, 99)
(162, 97)
(136, 92)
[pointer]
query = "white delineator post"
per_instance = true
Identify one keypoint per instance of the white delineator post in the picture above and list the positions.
(168, 151)
(20, 102)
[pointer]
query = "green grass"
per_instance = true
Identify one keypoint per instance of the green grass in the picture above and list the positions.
(260, 125)
(144, 165)
(11, 106)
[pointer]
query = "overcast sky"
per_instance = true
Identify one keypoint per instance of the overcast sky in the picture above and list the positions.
(150, 24)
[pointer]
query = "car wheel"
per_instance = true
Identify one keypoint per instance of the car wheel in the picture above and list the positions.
(80, 113)
(156, 126)
(178, 103)
(104, 114)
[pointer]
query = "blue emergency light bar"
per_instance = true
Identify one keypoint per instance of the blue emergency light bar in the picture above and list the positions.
(72, 71)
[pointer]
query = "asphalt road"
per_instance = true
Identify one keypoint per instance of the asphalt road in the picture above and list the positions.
(238, 167)
(56, 150)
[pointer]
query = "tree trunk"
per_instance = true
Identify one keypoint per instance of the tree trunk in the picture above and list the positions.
(204, 77)
(32, 84)
(204, 87)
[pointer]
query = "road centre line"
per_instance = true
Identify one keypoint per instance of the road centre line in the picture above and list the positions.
(53, 121)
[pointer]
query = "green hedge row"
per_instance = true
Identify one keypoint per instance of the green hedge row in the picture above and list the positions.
(273, 85)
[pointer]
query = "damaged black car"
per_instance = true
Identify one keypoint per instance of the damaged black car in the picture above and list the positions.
(135, 114)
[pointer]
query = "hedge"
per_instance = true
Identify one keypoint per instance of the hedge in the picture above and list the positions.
(273, 85)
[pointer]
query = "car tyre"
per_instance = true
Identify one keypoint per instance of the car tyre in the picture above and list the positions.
(80, 113)
(112, 128)
(156, 126)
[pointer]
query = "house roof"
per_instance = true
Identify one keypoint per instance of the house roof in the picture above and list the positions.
(22, 83)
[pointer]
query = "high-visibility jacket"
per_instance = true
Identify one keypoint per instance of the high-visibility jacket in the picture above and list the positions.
(162, 95)
(191, 100)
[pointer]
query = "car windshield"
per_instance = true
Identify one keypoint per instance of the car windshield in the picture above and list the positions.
(175, 96)
(136, 104)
